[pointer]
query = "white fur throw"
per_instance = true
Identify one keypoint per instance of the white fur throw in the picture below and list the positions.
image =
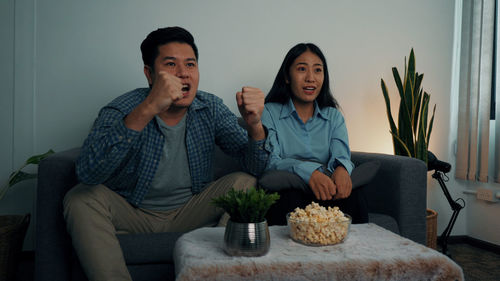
(369, 253)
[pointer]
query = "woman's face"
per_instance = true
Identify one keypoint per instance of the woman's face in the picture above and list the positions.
(306, 77)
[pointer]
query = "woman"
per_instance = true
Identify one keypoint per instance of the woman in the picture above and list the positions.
(308, 138)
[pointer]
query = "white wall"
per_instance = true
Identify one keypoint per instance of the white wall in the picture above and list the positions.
(17, 104)
(72, 57)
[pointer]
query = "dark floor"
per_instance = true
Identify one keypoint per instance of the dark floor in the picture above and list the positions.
(478, 264)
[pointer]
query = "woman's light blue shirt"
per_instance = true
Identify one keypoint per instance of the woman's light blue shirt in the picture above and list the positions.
(303, 148)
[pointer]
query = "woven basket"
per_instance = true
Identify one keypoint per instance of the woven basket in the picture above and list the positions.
(12, 231)
(431, 229)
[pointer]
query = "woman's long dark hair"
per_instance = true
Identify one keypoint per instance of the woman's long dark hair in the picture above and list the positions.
(281, 91)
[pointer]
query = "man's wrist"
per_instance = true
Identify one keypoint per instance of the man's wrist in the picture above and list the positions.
(257, 132)
(138, 118)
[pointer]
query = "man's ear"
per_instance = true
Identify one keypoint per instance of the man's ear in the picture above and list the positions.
(148, 71)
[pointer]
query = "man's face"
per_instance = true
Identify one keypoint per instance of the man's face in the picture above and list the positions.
(179, 60)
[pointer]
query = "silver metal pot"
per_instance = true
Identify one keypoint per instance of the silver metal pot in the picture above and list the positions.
(246, 239)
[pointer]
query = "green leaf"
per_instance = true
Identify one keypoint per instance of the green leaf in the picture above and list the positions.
(403, 145)
(430, 126)
(246, 206)
(388, 105)
(406, 74)
(411, 66)
(3, 190)
(424, 113)
(417, 101)
(405, 132)
(20, 176)
(397, 148)
(422, 132)
(397, 79)
(37, 158)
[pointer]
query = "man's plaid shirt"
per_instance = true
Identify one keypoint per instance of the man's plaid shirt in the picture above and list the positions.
(126, 160)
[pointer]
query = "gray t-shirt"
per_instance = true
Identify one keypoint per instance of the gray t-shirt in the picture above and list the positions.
(171, 186)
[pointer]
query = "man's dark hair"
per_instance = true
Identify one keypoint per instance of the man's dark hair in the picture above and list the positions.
(281, 91)
(162, 36)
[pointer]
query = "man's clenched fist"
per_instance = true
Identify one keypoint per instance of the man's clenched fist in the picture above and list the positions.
(250, 104)
(166, 89)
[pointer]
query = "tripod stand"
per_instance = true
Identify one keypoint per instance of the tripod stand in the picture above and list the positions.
(440, 169)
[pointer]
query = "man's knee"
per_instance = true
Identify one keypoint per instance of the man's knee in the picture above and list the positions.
(236, 180)
(243, 181)
(82, 196)
(73, 196)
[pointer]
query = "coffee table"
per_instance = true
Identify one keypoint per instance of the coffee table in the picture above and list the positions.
(369, 253)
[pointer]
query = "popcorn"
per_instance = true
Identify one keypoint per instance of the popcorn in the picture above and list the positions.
(317, 225)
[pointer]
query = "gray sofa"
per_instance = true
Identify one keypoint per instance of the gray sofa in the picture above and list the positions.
(396, 201)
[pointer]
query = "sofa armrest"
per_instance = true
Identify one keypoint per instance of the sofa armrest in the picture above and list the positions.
(399, 189)
(56, 175)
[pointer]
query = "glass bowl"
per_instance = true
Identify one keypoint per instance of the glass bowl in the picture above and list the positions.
(313, 233)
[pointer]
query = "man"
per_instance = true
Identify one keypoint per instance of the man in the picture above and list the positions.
(146, 165)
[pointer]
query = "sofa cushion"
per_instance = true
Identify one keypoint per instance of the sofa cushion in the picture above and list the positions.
(384, 221)
(224, 164)
(364, 173)
(275, 180)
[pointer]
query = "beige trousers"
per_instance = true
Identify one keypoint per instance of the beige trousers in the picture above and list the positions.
(95, 214)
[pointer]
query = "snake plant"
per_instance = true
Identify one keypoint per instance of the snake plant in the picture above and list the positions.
(411, 136)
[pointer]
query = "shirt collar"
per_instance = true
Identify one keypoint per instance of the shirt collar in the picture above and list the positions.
(197, 103)
(320, 112)
(288, 109)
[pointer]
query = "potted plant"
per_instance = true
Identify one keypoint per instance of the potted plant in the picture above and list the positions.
(13, 227)
(247, 232)
(19, 175)
(411, 136)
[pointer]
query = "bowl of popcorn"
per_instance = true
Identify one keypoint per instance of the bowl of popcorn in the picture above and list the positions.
(316, 225)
